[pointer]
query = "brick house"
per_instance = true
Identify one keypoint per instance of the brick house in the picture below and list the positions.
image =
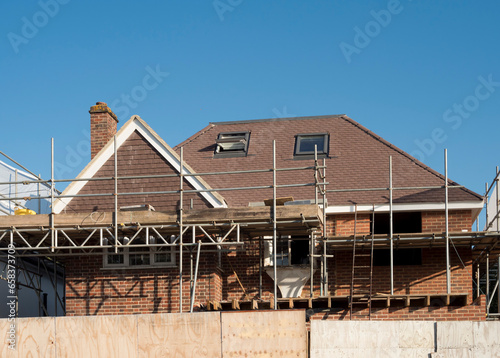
(381, 253)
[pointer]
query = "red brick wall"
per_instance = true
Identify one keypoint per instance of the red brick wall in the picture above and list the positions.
(91, 290)
(344, 224)
(458, 220)
(428, 278)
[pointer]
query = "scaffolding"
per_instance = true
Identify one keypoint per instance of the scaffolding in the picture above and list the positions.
(485, 244)
(487, 264)
(38, 275)
(222, 229)
(62, 235)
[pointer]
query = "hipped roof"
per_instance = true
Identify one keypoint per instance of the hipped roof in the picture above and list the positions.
(358, 158)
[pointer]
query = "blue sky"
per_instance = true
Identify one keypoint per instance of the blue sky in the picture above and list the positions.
(425, 75)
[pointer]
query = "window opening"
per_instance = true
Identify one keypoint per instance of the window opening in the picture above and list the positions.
(305, 143)
(403, 223)
(290, 251)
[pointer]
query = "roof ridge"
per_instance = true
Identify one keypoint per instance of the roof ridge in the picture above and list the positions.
(402, 152)
(278, 119)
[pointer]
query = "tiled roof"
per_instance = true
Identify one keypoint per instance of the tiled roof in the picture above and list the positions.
(358, 158)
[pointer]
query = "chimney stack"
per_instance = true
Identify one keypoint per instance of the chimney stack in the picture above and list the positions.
(103, 123)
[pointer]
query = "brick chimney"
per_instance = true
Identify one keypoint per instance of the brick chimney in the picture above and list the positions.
(102, 127)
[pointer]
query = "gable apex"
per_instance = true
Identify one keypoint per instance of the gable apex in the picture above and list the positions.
(137, 124)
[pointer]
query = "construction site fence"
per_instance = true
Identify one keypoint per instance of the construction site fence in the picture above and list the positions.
(243, 334)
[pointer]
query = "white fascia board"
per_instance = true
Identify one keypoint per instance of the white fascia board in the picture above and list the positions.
(463, 205)
(108, 151)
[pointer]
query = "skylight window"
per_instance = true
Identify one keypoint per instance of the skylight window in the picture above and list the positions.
(305, 143)
(233, 144)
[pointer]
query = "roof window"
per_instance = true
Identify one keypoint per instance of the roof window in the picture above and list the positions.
(232, 144)
(305, 143)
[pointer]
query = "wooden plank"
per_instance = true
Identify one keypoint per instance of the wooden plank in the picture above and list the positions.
(96, 336)
(216, 305)
(246, 214)
(35, 337)
(179, 335)
(264, 334)
(427, 301)
(407, 301)
(235, 305)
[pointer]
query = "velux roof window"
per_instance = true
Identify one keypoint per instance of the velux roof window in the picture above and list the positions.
(231, 144)
(305, 143)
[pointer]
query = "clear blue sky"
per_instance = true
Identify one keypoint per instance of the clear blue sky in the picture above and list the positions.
(425, 75)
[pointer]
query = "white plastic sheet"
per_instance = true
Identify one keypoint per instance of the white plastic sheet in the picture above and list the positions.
(492, 210)
(28, 192)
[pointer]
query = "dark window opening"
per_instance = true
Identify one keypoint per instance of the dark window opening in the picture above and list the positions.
(233, 144)
(402, 257)
(300, 252)
(292, 252)
(402, 223)
(305, 144)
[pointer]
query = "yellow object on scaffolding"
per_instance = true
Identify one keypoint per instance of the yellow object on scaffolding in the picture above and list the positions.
(24, 212)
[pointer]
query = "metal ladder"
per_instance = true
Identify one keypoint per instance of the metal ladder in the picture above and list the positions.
(362, 274)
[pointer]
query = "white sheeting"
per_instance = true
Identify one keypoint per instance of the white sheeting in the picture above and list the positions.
(26, 191)
(492, 210)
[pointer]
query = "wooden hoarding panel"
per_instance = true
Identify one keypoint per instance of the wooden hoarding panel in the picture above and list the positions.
(35, 337)
(195, 335)
(264, 334)
(97, 336)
